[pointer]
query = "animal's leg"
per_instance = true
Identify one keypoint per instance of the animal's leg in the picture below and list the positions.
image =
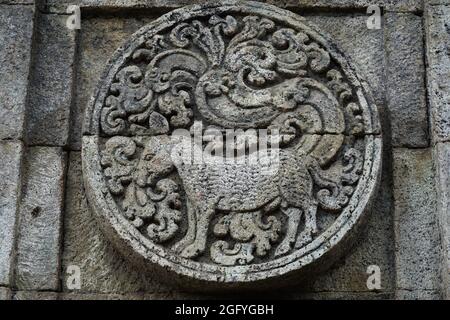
(201, 233)
(294, 216)
(310, 227)
(190, 234)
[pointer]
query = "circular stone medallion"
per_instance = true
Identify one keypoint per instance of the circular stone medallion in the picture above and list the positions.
(231, 144)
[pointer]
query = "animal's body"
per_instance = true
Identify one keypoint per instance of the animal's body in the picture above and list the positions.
(240, 185)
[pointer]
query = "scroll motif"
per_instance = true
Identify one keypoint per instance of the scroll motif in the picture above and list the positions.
(231, 72)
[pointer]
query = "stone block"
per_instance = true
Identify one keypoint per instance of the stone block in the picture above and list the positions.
(35, 295)
(397, 5)
(10, 183)
(17, 2)
(39, 238)
(51, 82)
(103, 269)
(417, 295)
(405, 80)
(418, 247)
(437, 29)
(16, 32)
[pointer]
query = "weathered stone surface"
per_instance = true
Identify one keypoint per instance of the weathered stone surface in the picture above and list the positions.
(5, 294)
(363, 46)
(405, 80)
(35, 295)
(16, 30)
(348, 277)
(418, 295)
(51, 82)
(135, 296)
(400, 5)
(438, 46)
(10, 180)
(434, 2)
(343, 295)
(39, 239)
(99, 37)
(103, 269)
(418, 247)
(442, 164)
(222, 223)
(17, 1)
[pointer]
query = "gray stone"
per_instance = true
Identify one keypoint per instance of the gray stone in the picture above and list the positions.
(442, 164)
(418, 295)
(51, 82)
(10, 180)
(103, 269)
(434, 2)
(222, 224)
(17, 2)
(35, 295)
(39, 238)
(438, 47)
(135, 296)
(16, 30)
(418, 247)
(343, 295)
(405, 80)
(5, 294)
(363, 46)
(398, 5)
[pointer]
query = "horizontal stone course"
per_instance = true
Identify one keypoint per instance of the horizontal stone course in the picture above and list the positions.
(35, 295)
(418, 295)
(399, 5)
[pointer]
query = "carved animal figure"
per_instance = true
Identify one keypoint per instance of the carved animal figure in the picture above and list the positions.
(237, 186)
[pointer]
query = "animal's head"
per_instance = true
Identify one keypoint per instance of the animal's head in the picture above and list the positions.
(155, 161)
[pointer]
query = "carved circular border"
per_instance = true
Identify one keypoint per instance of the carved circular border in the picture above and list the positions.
(131, 243)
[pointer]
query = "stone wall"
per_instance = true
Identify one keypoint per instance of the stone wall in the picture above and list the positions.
(49, 72)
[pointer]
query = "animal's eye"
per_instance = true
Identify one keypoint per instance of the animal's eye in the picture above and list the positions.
(148, 157)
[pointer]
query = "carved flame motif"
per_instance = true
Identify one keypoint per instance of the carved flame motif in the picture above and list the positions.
(242, 72)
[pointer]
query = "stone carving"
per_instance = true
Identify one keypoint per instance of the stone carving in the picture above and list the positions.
(165, 172)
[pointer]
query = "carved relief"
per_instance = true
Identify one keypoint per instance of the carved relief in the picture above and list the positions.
(211, 71)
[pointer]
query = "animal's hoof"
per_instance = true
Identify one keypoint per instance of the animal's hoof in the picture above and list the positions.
(191, 251)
